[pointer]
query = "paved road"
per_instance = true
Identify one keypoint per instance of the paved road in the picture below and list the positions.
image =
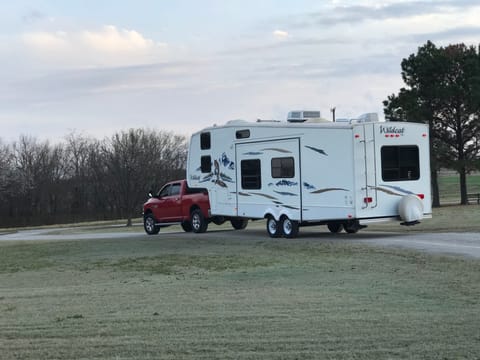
(463, 244)
(56, 234)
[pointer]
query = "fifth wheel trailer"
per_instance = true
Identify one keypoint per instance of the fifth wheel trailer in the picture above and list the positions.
(302, 172)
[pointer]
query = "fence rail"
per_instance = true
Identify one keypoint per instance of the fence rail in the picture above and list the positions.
(475, 198)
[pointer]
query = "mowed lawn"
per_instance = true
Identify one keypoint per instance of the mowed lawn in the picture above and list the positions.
(235, 295)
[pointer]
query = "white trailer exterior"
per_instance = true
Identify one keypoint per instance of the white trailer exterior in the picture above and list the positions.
(341, 174)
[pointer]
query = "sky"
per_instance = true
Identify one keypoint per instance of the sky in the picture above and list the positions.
(98, 67)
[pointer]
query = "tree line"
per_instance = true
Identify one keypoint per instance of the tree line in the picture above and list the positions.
(85, 179)
(443, 90)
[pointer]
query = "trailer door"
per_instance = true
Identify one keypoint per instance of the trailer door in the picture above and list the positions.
(269, 179)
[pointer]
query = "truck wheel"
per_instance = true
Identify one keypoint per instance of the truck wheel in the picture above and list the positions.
(186, 226)
(273, 227)
(149, 224)
(199, 224)
(239, 223)
(289, 227)
(335, 228)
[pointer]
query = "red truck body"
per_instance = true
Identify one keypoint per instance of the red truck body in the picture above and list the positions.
(176, 203)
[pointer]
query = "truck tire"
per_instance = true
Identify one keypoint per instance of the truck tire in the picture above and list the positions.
(149, 224)
(273, 227)
(239, 223)
(199, 224)
(186, 226)
(289, 227)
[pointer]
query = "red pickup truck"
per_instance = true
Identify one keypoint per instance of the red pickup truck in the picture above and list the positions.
(176, 203)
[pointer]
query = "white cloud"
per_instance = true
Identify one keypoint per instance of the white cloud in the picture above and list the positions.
(46, 41)
(111, 39)
(107, 46)
(281, 34)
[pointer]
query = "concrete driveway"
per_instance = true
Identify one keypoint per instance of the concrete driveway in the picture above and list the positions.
(463, 244)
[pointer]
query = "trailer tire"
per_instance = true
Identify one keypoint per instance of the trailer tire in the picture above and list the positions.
(218, 220)
(186, 226)
(149, 224)
(289, 227)
(273, 227)
(199, 224)
(239, 223)
(335, 228)
(352, 226)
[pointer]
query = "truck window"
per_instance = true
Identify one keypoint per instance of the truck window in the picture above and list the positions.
(195, 190)
(205, 143)
(400, 163)
(175, 189)
(206, 164)
(283, 167)
(251, 174)
(164, 191)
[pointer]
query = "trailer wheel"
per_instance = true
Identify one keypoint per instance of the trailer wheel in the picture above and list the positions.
(186, 226)
(199, 224)
(352, 226)
(273, 227)
(335, 228)
(218, 220)
(289, 227)
(149, 224)
(239, 223)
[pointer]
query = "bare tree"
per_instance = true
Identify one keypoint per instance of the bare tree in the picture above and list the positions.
(135, 159)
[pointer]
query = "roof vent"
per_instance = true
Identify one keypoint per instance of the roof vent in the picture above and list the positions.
(369, 117)
(302, 116)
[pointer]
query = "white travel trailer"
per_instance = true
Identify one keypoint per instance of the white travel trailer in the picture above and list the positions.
(308, 171)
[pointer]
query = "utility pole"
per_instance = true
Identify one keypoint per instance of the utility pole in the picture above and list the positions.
(333, 113)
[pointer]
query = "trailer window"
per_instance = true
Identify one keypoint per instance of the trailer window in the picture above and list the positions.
(242, 134)
(206, 164)
(205, 143)
(251, 174)
(283, 167)
(400, 163)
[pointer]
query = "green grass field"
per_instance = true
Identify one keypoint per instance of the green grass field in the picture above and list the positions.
(222, 295)
(449, 185)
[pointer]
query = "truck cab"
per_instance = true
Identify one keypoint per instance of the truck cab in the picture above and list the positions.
(176, 203)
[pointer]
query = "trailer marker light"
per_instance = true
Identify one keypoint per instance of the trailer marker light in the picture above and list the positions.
(357, 136)
(421, 196)
(367, 200)
(424, 135)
